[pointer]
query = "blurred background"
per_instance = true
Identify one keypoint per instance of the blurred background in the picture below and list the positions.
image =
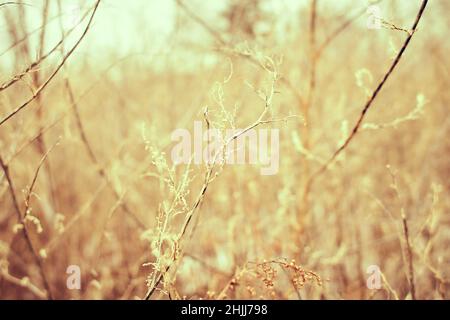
(87, 178)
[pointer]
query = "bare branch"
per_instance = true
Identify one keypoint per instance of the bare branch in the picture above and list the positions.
(24, 230)
(45, 84)
(372, 97)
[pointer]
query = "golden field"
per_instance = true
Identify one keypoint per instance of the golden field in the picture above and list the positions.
(91, 92)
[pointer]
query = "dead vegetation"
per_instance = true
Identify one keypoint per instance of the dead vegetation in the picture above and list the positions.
(87, 178)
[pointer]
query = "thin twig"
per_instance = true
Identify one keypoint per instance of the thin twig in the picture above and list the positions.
(227, 49)
(33, 181)
(334, 34)
(25, 283)
(41, 55)
(24, 230)
(50, 78)
(410, 258)
(210, 173)
(369, 102)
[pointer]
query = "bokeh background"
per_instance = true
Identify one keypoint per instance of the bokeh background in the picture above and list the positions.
(87, 162)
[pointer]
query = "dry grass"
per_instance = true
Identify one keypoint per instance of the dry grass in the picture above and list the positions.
(87, 177)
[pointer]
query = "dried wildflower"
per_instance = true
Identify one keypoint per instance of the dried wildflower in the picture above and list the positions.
(414, 114)
(95, 284)
(251, 291)
(364, 79)
(25, 281)
(17, 227)
(35, 220)
(59, 222)
(43, 253)
(267, 273)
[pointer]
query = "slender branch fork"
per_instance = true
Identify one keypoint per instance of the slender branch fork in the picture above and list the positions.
(41, 57)
(5, 167)
(55, 72)
(369, 103)
(209, 174)
(89, 149)
(314, 55)
(24, 229)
